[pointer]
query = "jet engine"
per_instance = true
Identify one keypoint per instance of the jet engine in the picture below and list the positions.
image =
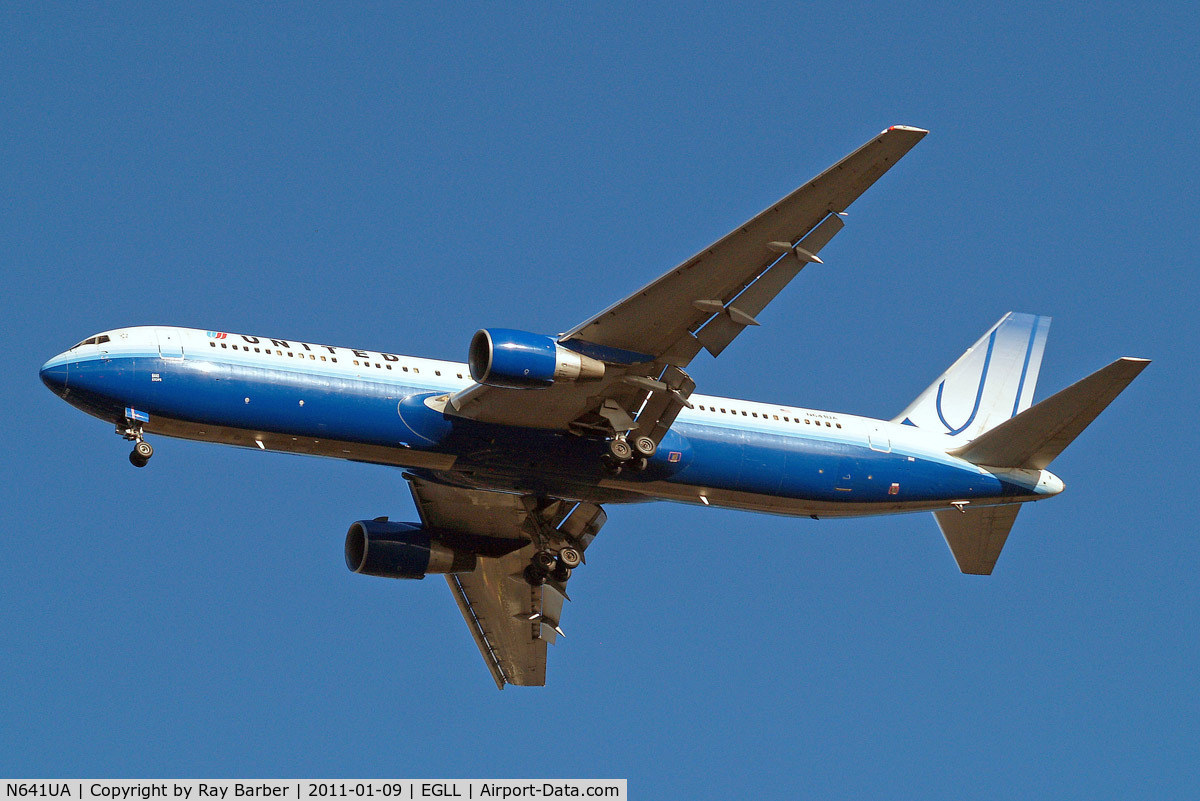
(501, 357)
(401, 550)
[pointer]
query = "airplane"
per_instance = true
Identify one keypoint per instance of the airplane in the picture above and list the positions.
(511, 456)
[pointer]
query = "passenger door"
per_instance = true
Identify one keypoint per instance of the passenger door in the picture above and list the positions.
(170, 343)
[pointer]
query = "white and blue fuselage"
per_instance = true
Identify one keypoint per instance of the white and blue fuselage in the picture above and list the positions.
(291, 396)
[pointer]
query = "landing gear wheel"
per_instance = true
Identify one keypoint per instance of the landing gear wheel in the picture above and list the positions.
(544, 561)
(561, 574)
(136, 460)
(620, 449)
(534, 577)
(144, 450)
(570, 558)
(540, 566)
(645, 446)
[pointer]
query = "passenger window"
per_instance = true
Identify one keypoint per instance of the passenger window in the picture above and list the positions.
(807, 421)
(743, 413)
(210, 344)
(435, 372)
(223, 345)
(460, 375)
(322, 358)
(256, 350)
(389, 367)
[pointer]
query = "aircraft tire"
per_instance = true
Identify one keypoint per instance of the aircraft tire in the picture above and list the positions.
(569, 558)
(533, 576)
(544, 561)
(144, 450)
(135, 460)
(620, 449)
(645, 446)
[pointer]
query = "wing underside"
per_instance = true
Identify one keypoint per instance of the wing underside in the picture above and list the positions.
(511, 620)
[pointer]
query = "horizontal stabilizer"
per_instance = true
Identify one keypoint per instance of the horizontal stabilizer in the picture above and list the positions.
(1036, 436)
(976, 536)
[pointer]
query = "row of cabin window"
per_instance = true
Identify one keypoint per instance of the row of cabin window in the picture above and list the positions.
(267, 351)
(775, 416)
(314, 356)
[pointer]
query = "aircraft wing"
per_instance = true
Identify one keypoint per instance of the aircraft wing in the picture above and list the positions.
(510, 620)
(660, 318)
(646, 339)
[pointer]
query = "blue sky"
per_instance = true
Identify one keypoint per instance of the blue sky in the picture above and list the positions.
(394, 177)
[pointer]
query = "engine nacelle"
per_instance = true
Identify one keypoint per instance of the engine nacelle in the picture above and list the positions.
(401, 550)
(501, 357)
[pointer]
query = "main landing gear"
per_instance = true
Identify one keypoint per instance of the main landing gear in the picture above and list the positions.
(621, 449)
(545, 565)
(623, 453)
(559, 531)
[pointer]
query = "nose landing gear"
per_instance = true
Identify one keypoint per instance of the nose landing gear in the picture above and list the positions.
(142, 450)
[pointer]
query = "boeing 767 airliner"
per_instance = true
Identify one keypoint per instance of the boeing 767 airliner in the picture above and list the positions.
(510, 455)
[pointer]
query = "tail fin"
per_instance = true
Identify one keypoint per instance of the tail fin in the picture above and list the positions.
(990, 383)
(1035, 437)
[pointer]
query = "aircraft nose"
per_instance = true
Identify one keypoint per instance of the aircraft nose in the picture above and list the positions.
(54, 376)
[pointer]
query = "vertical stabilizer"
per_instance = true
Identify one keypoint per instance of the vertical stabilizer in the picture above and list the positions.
(993, 381)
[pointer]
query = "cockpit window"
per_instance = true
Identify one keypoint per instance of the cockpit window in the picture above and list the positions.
(93, 341)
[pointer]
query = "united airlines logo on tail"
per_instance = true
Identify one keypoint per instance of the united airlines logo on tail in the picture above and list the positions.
(987, 361)
(990, 383)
